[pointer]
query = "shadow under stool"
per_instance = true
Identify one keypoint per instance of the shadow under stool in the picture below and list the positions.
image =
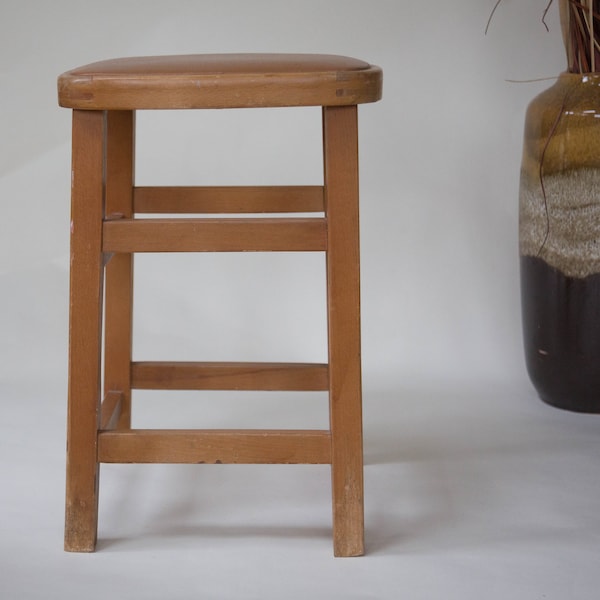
(106, 231)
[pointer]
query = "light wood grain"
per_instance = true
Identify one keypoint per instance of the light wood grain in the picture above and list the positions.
(110, 410)
(215, 235)
(105, 96)
(343, 290)
(229, 199)
(215, 446)
(84, 331)
(229, 376)
(118, 336)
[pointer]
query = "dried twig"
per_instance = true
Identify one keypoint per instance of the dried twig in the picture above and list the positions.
(492, 15)
(545, 13)
(550, 2)
(582, 38)
(581, 27)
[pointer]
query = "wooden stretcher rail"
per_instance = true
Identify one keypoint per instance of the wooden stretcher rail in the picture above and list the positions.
(229, 376)
(215, 446)
(228, 199)
(215, 235)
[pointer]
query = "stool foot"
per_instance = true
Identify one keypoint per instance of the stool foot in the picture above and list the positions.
(81, 525)
(344, 550)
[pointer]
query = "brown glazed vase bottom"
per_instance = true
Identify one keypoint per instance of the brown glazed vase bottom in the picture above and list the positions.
(561, 326)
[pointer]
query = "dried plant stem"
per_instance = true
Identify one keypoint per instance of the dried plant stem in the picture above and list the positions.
(492, 15)
(581, 24)
(546, 13)
(550, 2)
(592, 38)
(580, 21)
(559, 116)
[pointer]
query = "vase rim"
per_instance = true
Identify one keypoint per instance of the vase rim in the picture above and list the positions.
(585, 77)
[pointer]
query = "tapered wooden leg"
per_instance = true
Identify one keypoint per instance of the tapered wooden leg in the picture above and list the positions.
(120, 131)
(343, 278)
(84, 331)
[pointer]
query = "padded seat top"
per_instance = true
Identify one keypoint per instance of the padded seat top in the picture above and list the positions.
(220, 81)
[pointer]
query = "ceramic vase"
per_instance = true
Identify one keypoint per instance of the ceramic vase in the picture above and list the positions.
(559, 237)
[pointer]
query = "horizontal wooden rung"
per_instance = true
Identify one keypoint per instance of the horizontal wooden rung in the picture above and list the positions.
(229, 376)
(215, 446)
(215, 235)
(228, 199)
(110, 410)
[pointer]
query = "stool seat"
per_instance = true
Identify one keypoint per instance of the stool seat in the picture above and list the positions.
(220, 81)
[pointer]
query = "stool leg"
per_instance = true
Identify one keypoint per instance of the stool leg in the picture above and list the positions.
(341, 207)
(118, 316)
(85, 323)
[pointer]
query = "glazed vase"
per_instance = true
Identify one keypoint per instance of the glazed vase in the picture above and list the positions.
(559, 239)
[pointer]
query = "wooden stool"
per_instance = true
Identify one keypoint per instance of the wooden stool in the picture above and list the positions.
(104, 235)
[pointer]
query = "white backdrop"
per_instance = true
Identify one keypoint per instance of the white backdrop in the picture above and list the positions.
(440, 161)
(439, 172)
